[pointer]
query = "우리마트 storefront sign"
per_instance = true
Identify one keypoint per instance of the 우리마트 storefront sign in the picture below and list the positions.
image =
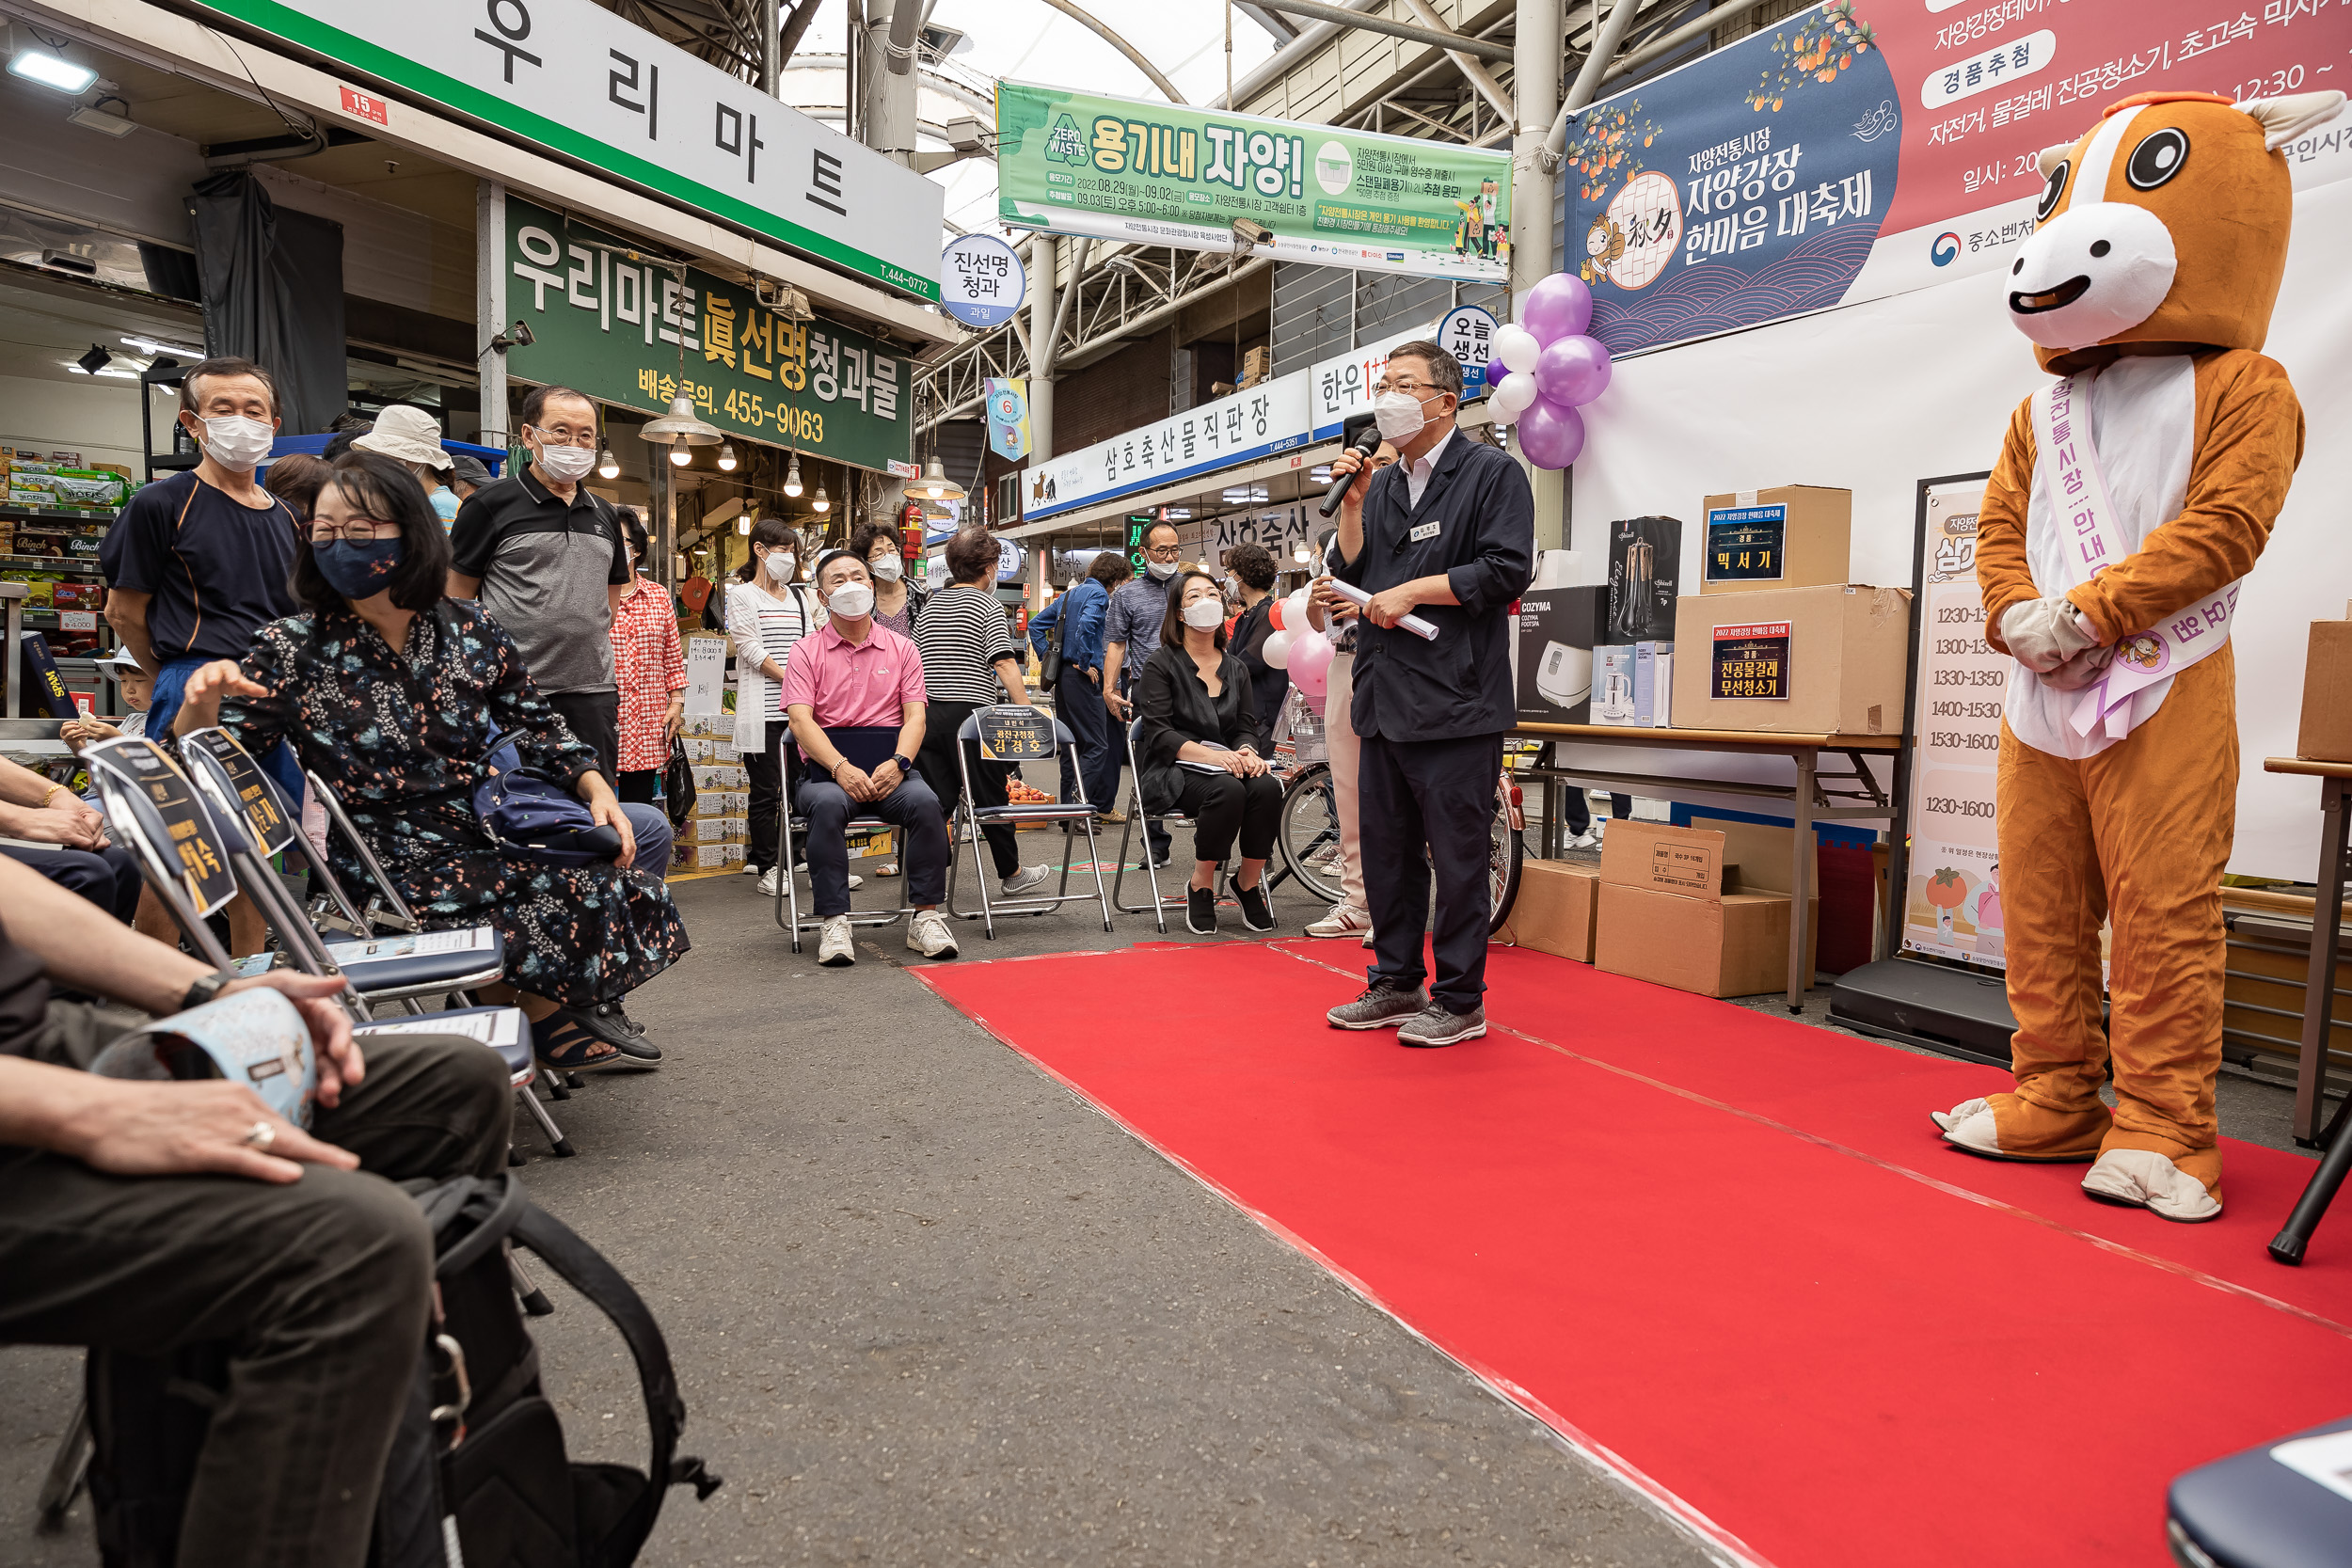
(616, 329)
(1163, 174)
(1866, 148)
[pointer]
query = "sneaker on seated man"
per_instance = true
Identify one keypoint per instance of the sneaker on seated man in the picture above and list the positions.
(144, 1217)
(853, 691)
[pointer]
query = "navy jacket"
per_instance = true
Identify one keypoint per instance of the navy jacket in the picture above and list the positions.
(1478, 521)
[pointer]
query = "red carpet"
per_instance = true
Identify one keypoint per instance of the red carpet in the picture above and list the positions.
(1721, 1249)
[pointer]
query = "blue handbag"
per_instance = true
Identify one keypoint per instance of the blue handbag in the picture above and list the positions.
(529, 814)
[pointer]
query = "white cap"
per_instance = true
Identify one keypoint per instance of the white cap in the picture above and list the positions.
(119, 663)
(406, 433)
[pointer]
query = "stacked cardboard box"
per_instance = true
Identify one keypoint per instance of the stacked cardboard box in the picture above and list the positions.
(715, 835)
(1827, 660)
(2325, 735)
(1672, 910)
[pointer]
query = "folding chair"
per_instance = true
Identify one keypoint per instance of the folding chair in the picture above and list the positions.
(255, 815)
(1136, 814)
(1008, 732)
(791, 825)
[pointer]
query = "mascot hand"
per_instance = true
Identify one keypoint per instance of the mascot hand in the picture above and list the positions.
(2084, 668)
(2045, 633)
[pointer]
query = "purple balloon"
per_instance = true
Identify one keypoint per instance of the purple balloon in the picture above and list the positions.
(1559, 307)
(1550, 434)
(1574, 371)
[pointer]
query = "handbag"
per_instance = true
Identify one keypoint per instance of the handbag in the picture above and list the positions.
(677, 785)
(529, 814)
(1049, 660)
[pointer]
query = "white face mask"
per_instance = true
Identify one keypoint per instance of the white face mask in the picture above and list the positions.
(1161, 570)
(1399, 414)
(887, 568)
(568, 464)
(781, 566)
(237, 443)
(851, 600)
(1203, 614)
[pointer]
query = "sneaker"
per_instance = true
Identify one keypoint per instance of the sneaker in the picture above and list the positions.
(1254, 913)
(1113, 817)
(770, 882)
(1345, 920)
(749, 870)
(832, 943)
(613, 1013)
(928, 935)
(1435, 1026)
(635, 1051)
(1586, 840)
(1023, 881)
(1200, 910)
(1381, 1006)
(1367, 942)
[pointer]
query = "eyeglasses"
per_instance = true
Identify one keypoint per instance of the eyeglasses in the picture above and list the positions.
(564, 435)
(359, 530)
(1162, 552)
(1382, 388)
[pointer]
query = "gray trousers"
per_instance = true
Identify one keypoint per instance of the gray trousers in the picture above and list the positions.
(321, 1288)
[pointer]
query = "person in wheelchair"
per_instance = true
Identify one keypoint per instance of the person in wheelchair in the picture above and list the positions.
(145, 1217)
(853, 691)
(1202, 751)
(391, 692)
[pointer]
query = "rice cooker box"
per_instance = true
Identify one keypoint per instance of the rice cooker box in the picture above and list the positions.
(1559, 627)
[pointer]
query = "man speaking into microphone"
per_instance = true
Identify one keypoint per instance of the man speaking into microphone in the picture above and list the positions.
(1448, 533)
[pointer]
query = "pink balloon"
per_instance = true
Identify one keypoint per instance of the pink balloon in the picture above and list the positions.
(1313, 685)
(1310, 655)
(1550, 434)
(1559, 307)
(1573, 371)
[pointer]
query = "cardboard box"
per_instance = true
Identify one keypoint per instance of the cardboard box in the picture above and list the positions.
(1553, 912)
(1661, 858)
(1791, 536)
(2325, 735)
(1804, 660)
(1644, 566)
(1736, 945)
(1559, 627)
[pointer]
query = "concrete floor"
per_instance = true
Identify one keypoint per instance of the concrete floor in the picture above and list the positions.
(927, 1307)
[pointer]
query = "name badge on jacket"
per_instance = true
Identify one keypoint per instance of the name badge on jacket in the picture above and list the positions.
(1426, 530)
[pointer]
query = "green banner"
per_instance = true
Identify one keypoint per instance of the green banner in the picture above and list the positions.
(1162, 174)
(634, 333)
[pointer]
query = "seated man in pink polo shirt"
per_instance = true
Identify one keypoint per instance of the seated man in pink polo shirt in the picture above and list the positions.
(853, 691)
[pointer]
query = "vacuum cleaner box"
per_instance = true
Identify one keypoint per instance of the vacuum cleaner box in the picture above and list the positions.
(1736, 945)
(2327, 732)
(1559, 628)
(1821, 660)
(1791, 536)
(1553, 912)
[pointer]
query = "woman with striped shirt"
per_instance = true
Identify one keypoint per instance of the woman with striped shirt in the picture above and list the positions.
(968, 663)
(768, 610)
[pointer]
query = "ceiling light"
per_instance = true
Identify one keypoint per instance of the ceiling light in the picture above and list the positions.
(820, 502)
(726, 455)
(1302, 554)
(679, 428)
(680, 454)
(115, 121)
(152, 346)
(937, 485)
(792, 477)
(743, 524)
(39, 65)
(608, 465)
(95, 360)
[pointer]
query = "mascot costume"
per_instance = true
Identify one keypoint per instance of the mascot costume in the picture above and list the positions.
(2131, 497)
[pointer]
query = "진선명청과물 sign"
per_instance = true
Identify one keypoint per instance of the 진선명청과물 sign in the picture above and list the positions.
(618, 330)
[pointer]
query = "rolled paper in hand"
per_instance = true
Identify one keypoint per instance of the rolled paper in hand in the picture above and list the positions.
(1413, 624)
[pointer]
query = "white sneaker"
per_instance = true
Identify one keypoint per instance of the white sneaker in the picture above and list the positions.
(928, 935)
(749, 870)
(768, 880)
(1367, 942)
(1023, 881)
(1345, 920)
(832, 943)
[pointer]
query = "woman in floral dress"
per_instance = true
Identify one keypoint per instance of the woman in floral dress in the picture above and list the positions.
(390, 692)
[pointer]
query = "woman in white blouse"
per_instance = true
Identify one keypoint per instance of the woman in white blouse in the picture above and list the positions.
(769, 608)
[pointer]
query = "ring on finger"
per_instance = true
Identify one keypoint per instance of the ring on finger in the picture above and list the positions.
(261, 1135)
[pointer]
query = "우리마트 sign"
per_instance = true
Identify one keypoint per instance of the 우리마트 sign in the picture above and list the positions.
(1163, 174)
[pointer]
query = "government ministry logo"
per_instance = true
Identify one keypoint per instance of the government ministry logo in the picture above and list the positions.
(1944, 247)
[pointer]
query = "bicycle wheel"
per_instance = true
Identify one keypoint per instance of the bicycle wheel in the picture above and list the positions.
(1505, 848)
(1308, 838)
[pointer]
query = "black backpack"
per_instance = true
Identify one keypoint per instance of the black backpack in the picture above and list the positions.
(479, 1451)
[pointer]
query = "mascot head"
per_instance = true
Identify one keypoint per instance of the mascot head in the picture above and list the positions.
(2163, 231)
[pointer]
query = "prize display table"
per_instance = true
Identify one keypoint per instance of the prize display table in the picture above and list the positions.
(2310, 1070)
(1814, 796)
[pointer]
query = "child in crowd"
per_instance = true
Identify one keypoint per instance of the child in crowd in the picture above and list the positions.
(136, 686)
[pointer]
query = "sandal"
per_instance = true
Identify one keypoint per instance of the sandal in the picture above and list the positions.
(887, 868)
(578, 1049)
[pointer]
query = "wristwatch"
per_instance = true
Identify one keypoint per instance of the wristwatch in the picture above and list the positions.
(906, 765)
(206, 988)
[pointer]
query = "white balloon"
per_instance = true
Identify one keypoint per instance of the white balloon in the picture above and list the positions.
(1276, 651)
(1295, 608)
(1516, 347)
(1511, 399)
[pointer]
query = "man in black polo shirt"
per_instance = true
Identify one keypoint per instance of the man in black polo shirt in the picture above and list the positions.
(1446, 533)
(548, 559)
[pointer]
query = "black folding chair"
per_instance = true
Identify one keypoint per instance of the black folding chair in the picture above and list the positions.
(1136, 812)
(790, 827)
(1009, 733)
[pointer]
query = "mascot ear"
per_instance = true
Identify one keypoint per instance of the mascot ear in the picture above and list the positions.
(2053, 156)
(2283, 119)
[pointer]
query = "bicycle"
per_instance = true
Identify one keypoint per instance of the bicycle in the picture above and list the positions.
(1308, 839)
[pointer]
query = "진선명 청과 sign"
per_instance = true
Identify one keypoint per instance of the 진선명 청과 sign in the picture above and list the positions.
(638, 334)
(575, 78)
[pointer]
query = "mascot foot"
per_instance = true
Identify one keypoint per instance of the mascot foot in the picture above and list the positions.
(2142, 1178)
(2005, 1126)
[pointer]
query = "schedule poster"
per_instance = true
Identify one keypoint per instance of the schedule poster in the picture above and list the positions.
(1952, 903)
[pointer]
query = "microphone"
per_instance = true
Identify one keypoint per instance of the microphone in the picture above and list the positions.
(1367, 441)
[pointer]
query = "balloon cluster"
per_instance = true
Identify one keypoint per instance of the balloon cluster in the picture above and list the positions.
(1297, 647)
(1550, 369)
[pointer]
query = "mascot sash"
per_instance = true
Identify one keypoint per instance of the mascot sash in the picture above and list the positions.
(2086, 518)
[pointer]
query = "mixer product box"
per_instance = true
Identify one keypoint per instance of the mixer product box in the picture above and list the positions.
(1790, 536)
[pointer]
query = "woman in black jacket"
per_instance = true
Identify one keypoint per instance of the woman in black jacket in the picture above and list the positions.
(1203, 751)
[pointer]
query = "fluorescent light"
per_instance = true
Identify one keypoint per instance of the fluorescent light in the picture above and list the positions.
(39, 65)
(152, 346)
(111, 369)
(97, 116)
